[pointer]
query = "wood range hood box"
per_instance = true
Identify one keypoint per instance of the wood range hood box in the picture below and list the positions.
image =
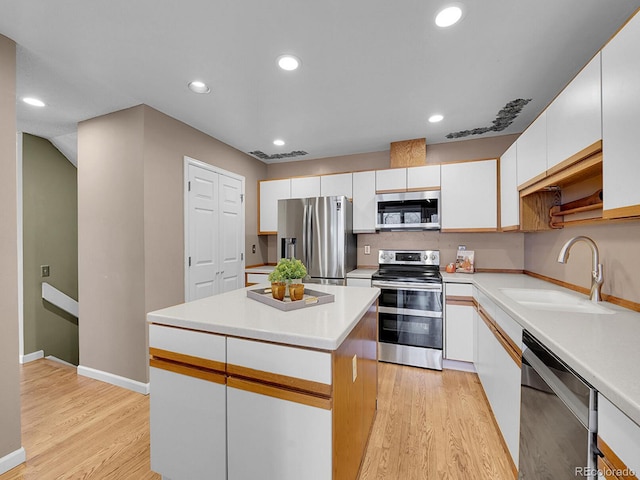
(408, 153)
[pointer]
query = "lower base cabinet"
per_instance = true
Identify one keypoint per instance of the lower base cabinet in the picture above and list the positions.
(272, 438)
(188, 421)
(498, 363)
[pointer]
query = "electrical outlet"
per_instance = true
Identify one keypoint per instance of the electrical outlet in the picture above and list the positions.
(367, 249)
(253, 249)
(44, 270)
(354, 367)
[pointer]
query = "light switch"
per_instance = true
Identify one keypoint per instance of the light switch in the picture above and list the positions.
(367, 249)
(44, 270)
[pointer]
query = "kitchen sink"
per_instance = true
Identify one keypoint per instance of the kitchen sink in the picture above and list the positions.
(541, 299)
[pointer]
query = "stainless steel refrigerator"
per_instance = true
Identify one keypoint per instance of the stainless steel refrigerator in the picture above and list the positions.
(318, 231)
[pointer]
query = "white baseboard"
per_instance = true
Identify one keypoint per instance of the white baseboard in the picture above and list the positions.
(12, 460)
(458, 365)
(30, 357)
(59, 360)
(113, 379)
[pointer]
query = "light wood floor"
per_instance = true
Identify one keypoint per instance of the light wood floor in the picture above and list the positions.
(429, 425)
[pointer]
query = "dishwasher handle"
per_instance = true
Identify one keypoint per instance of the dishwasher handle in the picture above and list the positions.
(558, 387)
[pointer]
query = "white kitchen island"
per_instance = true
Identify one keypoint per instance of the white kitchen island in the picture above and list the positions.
(242, 390)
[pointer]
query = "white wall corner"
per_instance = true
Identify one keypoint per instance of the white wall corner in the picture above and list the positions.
(12, 460)
(113, 379)
(30, 357)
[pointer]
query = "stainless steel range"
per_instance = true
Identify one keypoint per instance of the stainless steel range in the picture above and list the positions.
(410, 307)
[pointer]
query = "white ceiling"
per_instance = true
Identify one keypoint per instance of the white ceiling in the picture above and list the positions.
(373, 70)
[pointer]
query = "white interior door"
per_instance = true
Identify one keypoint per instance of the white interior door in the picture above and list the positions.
(214, 230)
(231, 234)
(203, 236)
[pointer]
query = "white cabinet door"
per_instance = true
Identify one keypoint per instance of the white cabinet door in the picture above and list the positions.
(426, 177)
(391, 180)
(339, 184)
(358, 282)
(620, 433)
(270, 192)
(532, 150)
(364, 202)
(304, 187)
(509, 197)
(187, 426)
(273, 438)
(620, 114)
(469, 196)
(459, 344)
(574, 119)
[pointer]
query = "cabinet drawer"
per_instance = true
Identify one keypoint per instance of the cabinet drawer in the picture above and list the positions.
(459, 289)
(280, 360)
(358, 282)
(187, 342)
(509, 326)
(620, 433)
(257, 277)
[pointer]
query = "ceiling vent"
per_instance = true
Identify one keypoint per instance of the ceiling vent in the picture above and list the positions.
(505, 117)
(263, 156)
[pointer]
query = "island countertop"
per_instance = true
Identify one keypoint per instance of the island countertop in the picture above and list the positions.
(233, 313)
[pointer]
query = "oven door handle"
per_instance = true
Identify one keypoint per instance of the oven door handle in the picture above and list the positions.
(409, 311)
(569, 398)
(428, 287)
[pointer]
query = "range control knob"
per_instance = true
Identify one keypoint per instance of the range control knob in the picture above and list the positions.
(433, 256)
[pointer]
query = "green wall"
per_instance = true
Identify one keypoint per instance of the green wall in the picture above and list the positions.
(50, 222)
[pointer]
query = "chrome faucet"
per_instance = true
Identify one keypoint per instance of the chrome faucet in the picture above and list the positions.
(596, 273)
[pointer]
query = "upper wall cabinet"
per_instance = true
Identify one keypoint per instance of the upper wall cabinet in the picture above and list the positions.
(391, 180)
(304, 187)
(270, 192)
(620, 119)
(364, 202)
(469, 196)
(426, 177)
(338, 184)
(532, 151)
(509, 197)
(574, 119)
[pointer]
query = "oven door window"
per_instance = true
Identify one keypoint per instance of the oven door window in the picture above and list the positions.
(410, 330)
(411, 299)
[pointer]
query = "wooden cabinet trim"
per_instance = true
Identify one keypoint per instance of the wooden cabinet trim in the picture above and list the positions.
(187, 360)
(611, 465)
(191, 371)
(510, 228)
(280, 393)
(621, 212)
(292, 383)
(459, 300)
(397, 190)
(503, 338)
(468, 230)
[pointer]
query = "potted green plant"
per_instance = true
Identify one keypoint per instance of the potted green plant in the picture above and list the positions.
(288, 275)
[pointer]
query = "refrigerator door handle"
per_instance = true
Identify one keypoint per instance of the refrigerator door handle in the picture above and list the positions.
(305, 243)
(309, 236)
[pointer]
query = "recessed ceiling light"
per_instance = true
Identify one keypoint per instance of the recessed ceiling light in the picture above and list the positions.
(448, 16)
(278, 142)
(199, 87)
(33, 101)
(435, 118)
(289, 62)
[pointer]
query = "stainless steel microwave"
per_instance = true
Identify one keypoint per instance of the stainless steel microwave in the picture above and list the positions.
(408, 211)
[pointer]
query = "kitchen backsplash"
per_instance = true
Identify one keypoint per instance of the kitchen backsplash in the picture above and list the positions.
(619, 249)
(493, 250)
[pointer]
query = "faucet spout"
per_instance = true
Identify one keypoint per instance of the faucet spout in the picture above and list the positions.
(596, 270)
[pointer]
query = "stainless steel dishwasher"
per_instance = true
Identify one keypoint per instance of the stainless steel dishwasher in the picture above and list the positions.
(557, 418)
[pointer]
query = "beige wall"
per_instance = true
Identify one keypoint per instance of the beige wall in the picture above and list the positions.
(493, 250)
(619, 247)
(131, 227)
(50, 237)
(491, 147)
(10, 439)
(111, 253)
